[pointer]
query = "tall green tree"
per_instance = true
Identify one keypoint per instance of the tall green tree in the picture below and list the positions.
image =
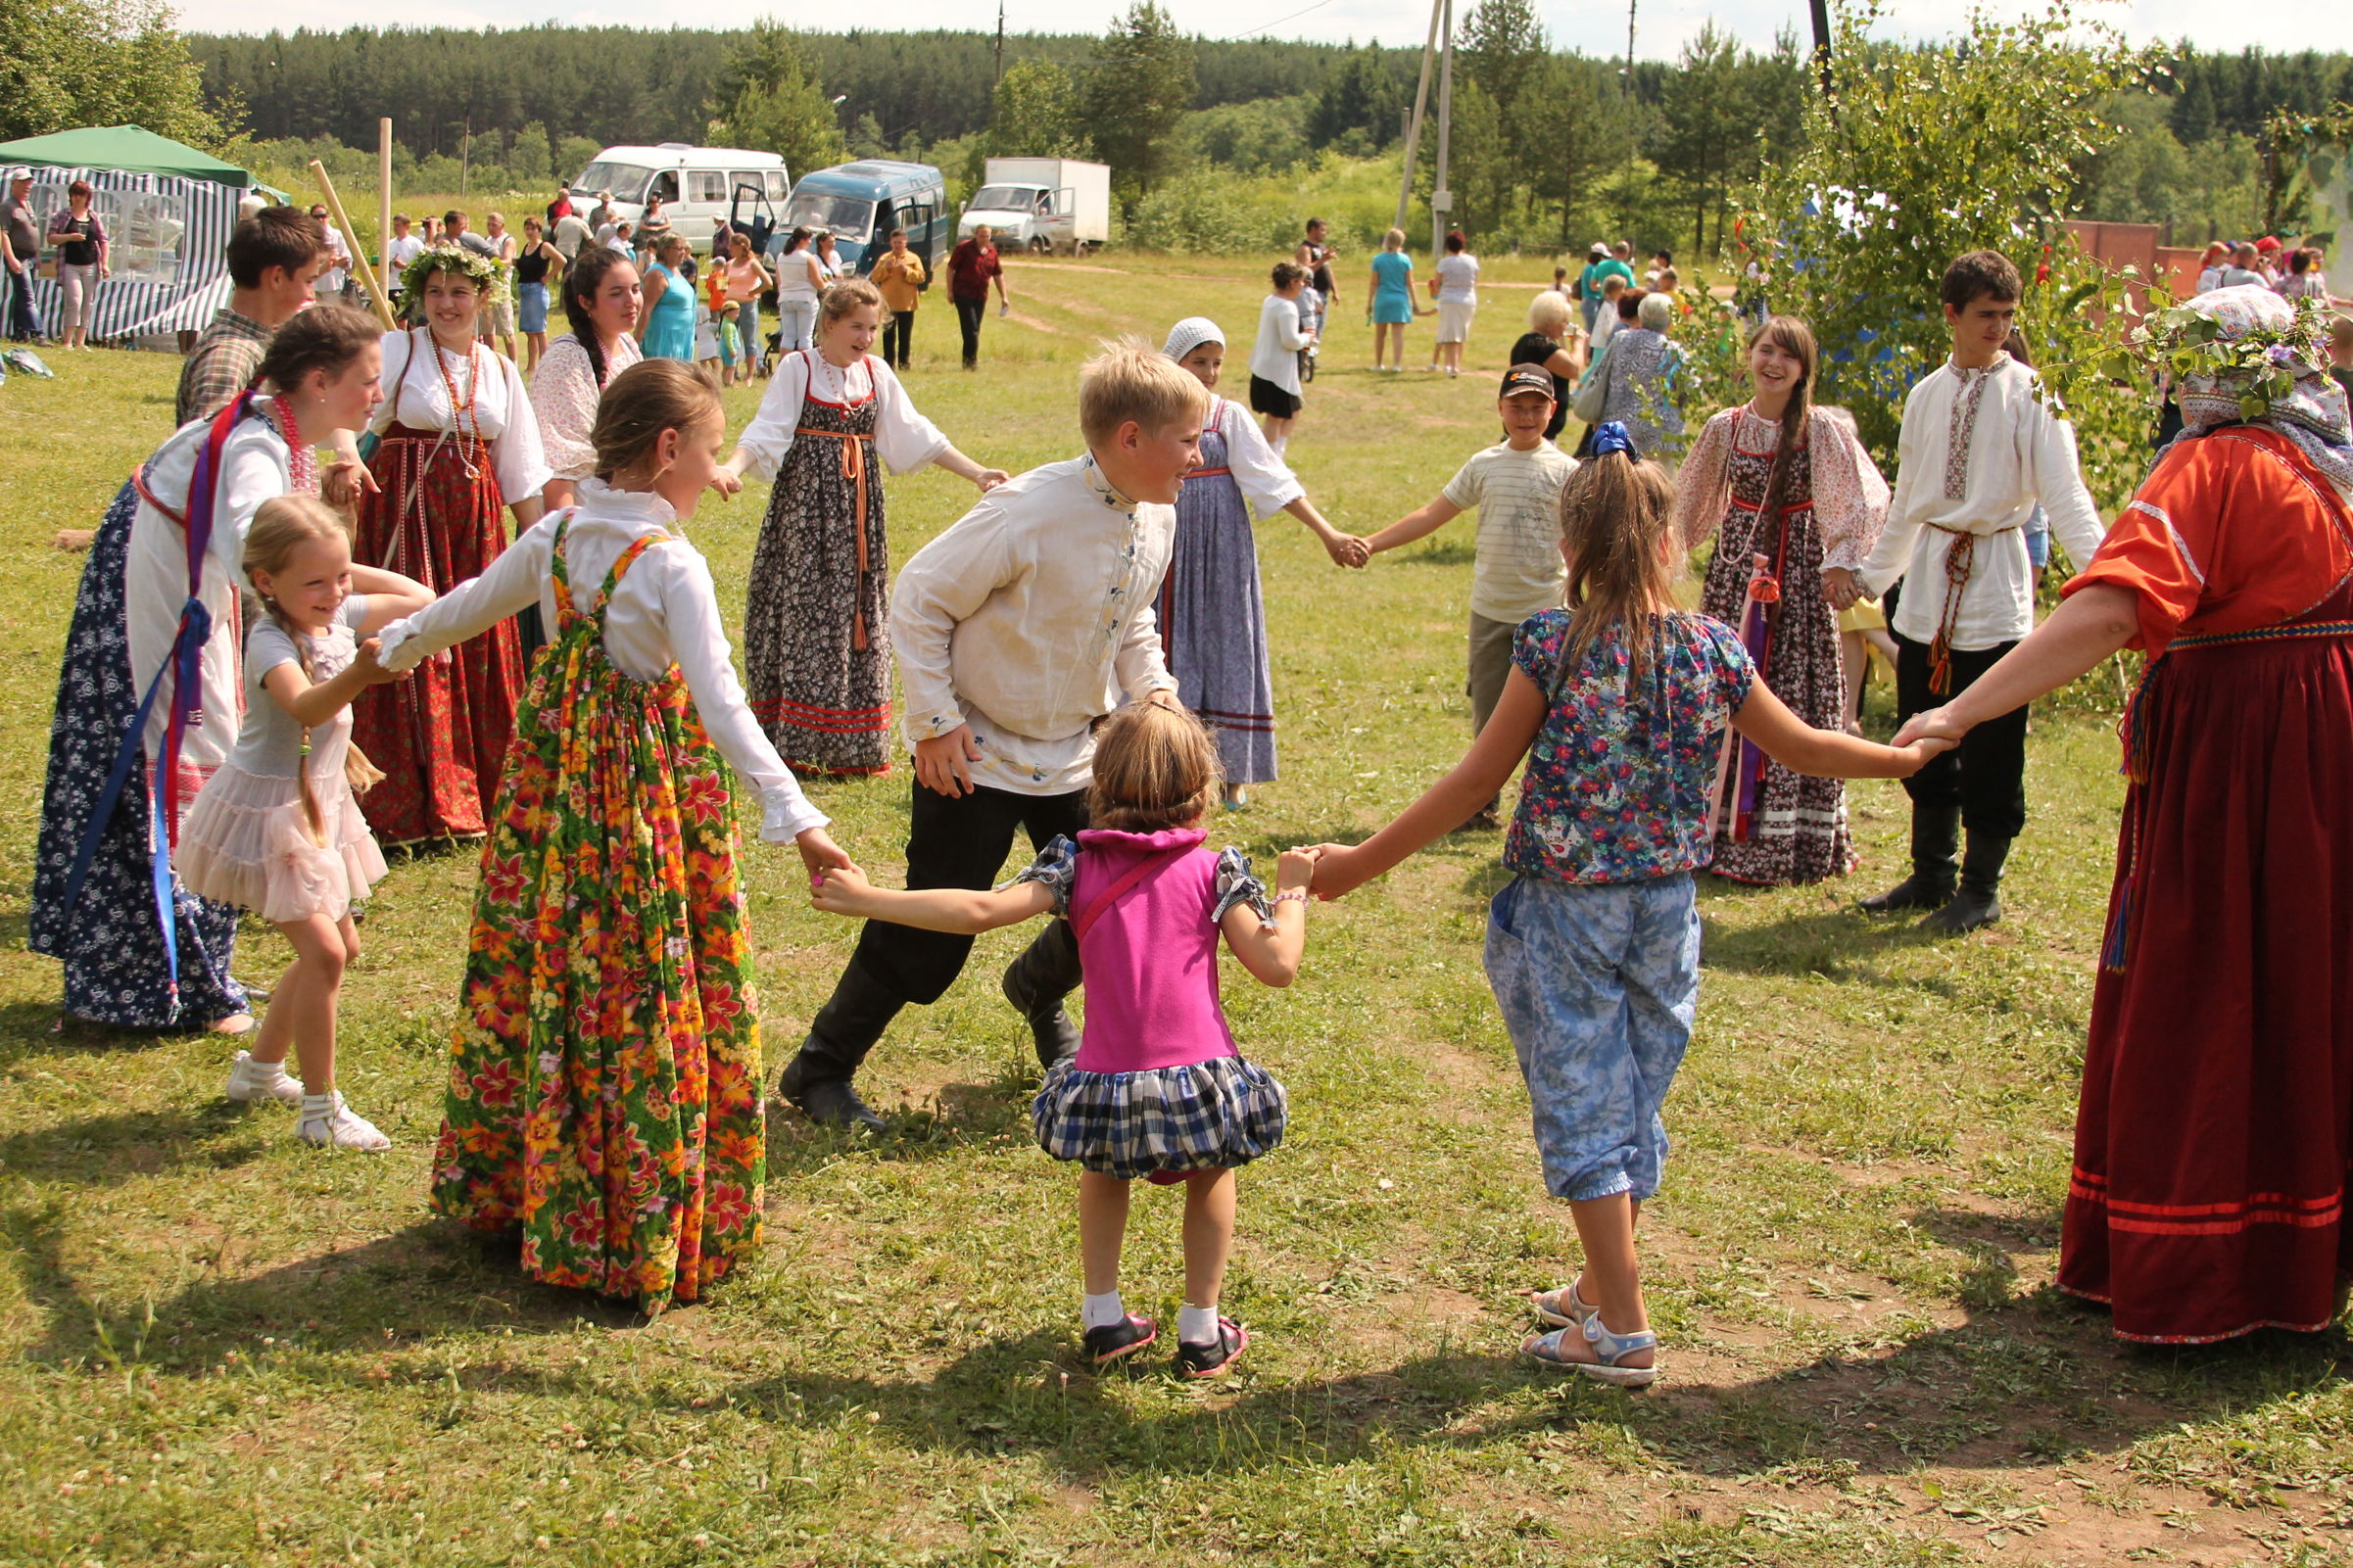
(1136, 91)
(70, 62)
(772, 102)
(1711, 127)
(1035, 114)
(1358, 104)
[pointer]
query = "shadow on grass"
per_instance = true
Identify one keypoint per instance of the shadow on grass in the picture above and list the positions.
(959, 1117)
(126, 1145)
(1835, 943)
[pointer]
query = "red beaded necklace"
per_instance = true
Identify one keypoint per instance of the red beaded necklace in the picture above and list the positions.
(302, 461)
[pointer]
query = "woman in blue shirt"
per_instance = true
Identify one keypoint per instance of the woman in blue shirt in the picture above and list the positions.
(666, 325)
(1390, 304)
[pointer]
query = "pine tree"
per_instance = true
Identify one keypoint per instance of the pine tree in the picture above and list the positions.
(1035, 114)
(772, 103)
(1137, 89)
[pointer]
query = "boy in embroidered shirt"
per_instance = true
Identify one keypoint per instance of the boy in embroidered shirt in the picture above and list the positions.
(1017, 631)
(1981, 449)
(1517, 571)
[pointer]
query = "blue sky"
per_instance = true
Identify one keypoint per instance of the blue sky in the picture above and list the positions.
(1662, 25)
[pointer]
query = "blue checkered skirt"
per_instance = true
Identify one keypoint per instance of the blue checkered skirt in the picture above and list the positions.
(1203, 1115)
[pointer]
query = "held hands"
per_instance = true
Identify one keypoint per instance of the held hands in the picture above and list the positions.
(821, 854)
(1935, 727)
(725, 481)
(341, 482)
(1840, 590)
(367, 668)
(943, 763)
(1297, 868)
(1347, 549)
(1335, 870)
(839, 890)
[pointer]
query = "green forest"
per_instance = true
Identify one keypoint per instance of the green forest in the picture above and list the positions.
(1215, 145)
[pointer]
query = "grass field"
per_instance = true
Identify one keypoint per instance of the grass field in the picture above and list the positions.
(216, 1347)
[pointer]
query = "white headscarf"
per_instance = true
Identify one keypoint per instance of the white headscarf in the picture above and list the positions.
(1189, 334)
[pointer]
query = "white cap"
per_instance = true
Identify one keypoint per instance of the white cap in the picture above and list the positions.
(1189, 334)
(18, 172)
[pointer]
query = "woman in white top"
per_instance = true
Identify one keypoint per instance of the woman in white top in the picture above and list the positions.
(601, 299)
(458, 444)
(799, 280)
(1275, 393)
(1457, 290)
(320, 377)
(815, 655)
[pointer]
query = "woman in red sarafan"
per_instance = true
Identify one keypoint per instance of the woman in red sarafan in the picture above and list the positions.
(2207, 1197)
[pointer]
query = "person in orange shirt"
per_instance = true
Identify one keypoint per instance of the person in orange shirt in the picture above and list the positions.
(898, 273)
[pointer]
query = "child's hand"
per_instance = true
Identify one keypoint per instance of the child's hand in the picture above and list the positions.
(1349, 550)
(1297, 868)
(727, 482)
(365, 665)
(820, 853)
(1931, 724)
(989, 478)
(1334, 874)
(836, 890)
(1915, 755)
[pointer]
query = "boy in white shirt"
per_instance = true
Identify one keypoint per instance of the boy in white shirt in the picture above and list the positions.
(1275, 395)
(1017, 631)
(1516, 571)
(1980, 450)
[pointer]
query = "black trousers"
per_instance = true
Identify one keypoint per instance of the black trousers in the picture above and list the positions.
(969, 316)
(961, 841)
(898, 338)
(1985, 775)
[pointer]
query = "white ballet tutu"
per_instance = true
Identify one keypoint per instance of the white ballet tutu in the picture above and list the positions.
(245, 843)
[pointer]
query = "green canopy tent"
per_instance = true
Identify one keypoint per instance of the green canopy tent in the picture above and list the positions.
(129, 148)
(167, 210)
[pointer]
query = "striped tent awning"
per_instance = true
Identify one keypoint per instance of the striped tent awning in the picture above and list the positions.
(165, 240)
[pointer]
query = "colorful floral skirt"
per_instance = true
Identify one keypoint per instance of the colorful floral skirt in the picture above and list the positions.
(604, 1075)
(441, 735)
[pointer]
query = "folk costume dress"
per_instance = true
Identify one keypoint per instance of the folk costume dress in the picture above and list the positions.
(122, 965)
(459, 443)
(604, 1075)
(816, 653)
(1777, 827)
(1212, 614)
(2215, 1131)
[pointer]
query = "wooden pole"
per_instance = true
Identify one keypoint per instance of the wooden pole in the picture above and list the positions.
(384, 196)
(1442, 199)
(1421, 99)
(360, 264)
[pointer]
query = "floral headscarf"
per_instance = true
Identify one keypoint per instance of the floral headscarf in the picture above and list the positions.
(2247, 354)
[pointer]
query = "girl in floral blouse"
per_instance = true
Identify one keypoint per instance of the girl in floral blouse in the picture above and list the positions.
(1618, 702)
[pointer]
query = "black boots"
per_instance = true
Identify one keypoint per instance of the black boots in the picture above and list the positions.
(1035, 984)
(1977, 903)
(844, 1030)
(1936, 837)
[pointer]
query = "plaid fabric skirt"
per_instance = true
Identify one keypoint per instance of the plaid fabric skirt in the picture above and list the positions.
(1202, 1115)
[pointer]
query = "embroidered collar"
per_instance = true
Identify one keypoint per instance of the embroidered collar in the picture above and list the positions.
(1963, 429)
(600, 500)
(1105, 491)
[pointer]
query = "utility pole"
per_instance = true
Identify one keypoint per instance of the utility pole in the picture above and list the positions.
(1000, 75)
(1442, 200)
(1422, 98)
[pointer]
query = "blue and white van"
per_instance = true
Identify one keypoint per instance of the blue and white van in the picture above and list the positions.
(859, 203)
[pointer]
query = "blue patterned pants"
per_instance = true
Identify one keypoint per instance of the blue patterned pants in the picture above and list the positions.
(1599, 984)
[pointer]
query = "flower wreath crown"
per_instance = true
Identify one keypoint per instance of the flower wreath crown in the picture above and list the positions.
(2183, 341)
(487, 273)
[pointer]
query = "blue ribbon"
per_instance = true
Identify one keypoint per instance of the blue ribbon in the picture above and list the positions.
(1612, 436)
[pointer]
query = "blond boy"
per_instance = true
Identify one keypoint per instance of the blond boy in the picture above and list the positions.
(1017, 631)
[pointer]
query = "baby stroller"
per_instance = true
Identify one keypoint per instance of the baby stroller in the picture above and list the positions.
(1311, 316)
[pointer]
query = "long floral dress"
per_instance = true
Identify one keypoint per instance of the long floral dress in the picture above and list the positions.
(1788, 827)
(604, 1091)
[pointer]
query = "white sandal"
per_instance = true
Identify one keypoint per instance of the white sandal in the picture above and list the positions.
(341, 1127)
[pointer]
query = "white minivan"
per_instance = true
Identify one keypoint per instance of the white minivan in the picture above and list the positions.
(696, 184)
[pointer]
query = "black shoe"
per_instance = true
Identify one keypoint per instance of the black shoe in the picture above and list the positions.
(1113, 1340)
(1214, 1359)
(1935, 835)
(1978, 902)
(1035, 984)
(830, 1102)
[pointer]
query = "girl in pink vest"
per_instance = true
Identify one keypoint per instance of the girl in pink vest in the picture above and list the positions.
(1157, 1089)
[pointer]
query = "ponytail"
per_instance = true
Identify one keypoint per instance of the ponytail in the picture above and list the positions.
(1617, 525)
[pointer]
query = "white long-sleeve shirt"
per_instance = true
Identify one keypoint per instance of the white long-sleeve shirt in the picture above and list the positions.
(1980, 472)
(1265, 480)
(1275, 357)
(903, 438)
(664, 613)
(1029, 618)
(417, 394)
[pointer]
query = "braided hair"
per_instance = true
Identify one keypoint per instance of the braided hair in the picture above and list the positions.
(582, 281)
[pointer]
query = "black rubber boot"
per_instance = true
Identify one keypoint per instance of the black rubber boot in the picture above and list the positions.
(1035, 984)
(1936, 837)
(844, 1030)
(1977, 903)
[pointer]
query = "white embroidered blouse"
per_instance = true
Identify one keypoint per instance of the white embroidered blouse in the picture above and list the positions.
(903, 438)
(1849, 497)
(564, 396)
(417, 394)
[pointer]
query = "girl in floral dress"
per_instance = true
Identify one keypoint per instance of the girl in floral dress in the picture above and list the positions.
(1784, 480)
(815, 655)
(458, 444)
(1617, 703)
(604, 1075)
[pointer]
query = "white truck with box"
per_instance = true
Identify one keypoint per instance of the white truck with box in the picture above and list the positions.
(1042, 204)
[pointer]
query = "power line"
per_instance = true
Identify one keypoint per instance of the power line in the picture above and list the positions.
(1277, 23)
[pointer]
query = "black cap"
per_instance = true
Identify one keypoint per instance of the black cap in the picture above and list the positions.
(1526, 378)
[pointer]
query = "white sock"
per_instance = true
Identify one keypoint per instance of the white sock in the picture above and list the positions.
(1196, 1325)
(1102, 1311)
(318, 1106)
(1279, 443)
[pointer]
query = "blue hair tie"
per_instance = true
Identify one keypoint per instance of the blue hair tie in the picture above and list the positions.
(1612, 436)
